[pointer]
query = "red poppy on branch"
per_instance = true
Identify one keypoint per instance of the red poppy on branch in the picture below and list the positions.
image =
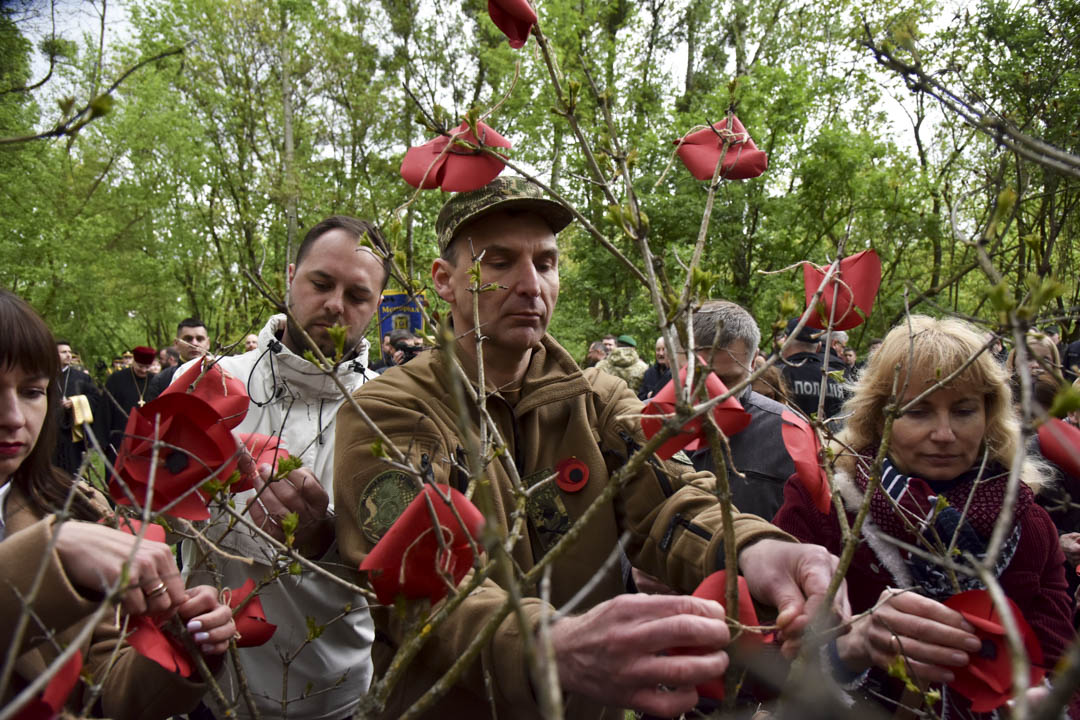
(153, 643)
(222, 391)
(194, 444)
(804, 447)
(409, 559)
(851, 290)
(701, 151)
(515, 18)
(251, 622)
(441, 163)
(1059, 442)
(265, 450)
(50, 702)
(714, 588)
(131, 526)
(729, 415)
(987, 678)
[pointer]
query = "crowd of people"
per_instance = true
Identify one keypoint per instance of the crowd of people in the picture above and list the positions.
(370, 436)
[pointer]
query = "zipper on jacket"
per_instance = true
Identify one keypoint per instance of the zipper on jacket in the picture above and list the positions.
(680, 519)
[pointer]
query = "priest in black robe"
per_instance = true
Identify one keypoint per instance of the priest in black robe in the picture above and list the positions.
(125, 389)
(80, 404)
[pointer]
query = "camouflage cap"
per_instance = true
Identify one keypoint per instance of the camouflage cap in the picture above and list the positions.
(509, 193)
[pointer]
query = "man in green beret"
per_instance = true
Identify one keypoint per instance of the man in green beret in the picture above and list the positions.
(623, 362)
(565, 433)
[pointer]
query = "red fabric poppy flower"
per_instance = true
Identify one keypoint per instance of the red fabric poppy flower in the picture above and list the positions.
(854, 286)
(1059, 442)
(701, 151)
(161, 647)
(987, 678)
(196, 444)
(515, 18)
(50, 702)
(805, 450)
(457, 168)
(221, 390)
(265, 450)
(729, 415)
(713, 588)
(131, 526)
(407, 560)
(249, 617)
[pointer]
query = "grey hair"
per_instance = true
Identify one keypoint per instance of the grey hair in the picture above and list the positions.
(840, 336)
(722, 322)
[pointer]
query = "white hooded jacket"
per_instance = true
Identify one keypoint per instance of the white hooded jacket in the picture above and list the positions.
(296, 401)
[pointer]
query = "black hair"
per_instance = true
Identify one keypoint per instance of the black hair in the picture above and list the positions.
(29, 345)
(356, 227)
(191, 323)
(62, 342)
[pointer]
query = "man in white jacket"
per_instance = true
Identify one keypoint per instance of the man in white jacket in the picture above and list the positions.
(318, 663)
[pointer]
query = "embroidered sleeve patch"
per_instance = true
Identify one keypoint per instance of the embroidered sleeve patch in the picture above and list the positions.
(383, 500)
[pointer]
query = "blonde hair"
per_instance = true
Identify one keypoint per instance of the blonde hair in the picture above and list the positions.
(1034, 337)
(925, 347)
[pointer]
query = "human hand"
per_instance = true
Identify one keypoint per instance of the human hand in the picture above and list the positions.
(67, 403)
(209, 621)
(931, 636)
(1070, 545)
(793, 578)
(613, 653)
(94, 555)
(299, 492)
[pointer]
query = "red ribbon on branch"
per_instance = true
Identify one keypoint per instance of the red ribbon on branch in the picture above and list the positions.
(408, 560)
(854, 286)
(702, 150)
(50, 702)
(248, 614)
(455, 168)
(729, 415)
(987, 678)
(1059, 442)
(714, 587)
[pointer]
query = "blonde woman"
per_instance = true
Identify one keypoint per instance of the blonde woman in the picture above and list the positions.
(956, 443)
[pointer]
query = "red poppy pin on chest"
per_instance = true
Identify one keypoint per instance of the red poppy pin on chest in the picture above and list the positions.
(572, 475)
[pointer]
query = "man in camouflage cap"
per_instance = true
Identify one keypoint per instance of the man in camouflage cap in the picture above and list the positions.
(566, 433)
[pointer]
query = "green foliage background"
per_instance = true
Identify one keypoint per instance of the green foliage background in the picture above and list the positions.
(152, 211)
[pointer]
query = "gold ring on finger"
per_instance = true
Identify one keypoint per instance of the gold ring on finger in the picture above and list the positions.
(158, 589)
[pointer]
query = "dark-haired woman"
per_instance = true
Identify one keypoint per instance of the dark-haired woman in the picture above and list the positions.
(78, 559)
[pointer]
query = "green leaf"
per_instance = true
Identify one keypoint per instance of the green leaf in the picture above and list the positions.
(377, 449)
(337, 334)
(1066, 400)
(314, 630)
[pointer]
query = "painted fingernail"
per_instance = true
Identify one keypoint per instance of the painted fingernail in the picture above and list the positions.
(194, 626)
(202, 637)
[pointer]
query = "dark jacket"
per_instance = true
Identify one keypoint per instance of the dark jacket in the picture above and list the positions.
(803, 372)
(759, 454)
(656, 377)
